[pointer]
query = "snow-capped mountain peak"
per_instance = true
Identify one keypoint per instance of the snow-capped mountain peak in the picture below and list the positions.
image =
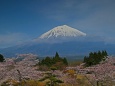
(62, 31)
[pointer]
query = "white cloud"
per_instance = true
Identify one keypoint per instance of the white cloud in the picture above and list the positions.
(11, 39)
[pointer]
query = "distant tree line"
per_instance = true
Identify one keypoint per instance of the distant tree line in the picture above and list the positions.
(95, 58)
(55, 62)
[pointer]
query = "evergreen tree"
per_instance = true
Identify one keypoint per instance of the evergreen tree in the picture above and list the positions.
(1, 58)
(56, 62)
(105, 53)
(48, 61)
(65, 61)
(85, 59)
(57, 58)
(91, 54)
(52, 80)
(56, 55)
(95, 58)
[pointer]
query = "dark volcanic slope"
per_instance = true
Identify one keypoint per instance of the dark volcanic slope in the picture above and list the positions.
(65, 48)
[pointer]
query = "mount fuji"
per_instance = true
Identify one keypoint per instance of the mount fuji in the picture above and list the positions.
(63, 39)
(62, 31)
(60, 34)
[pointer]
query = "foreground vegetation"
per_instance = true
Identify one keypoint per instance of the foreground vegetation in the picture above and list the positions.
(97, 69)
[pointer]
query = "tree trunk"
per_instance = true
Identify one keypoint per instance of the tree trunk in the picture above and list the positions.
(97, 83)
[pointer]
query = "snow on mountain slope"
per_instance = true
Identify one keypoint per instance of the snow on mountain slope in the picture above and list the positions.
(62, 31)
